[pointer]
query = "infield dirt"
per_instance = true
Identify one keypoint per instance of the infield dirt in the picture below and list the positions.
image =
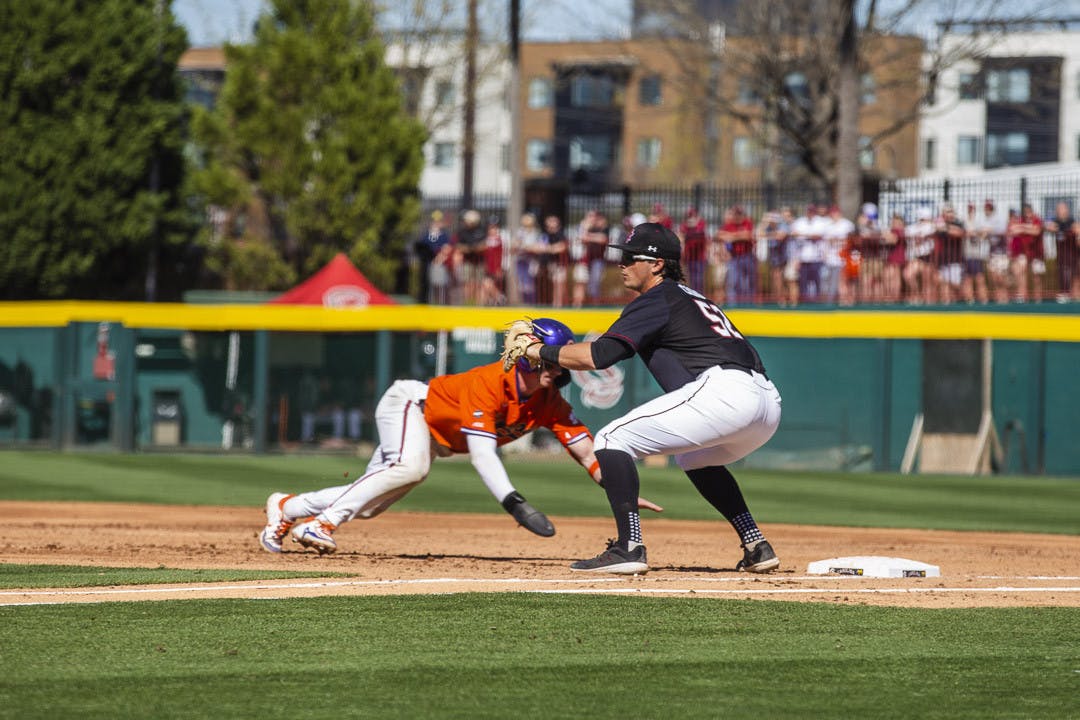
(403, 552)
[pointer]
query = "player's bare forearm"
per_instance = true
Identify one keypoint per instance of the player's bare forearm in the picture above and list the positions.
(582, 451)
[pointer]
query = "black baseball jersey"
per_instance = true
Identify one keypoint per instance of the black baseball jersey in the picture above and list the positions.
(679, 334)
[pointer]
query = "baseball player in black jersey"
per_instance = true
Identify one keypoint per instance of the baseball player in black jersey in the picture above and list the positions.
(718, 405)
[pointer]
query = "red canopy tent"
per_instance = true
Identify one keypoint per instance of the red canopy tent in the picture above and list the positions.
(339, 285)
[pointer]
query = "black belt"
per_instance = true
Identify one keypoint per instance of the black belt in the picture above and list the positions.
(743, 368)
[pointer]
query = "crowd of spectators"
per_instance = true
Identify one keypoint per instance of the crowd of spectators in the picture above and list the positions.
(939, 256)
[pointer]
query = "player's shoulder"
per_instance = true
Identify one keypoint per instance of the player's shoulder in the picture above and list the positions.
(676, 293)
(491, 374)
(680, 290)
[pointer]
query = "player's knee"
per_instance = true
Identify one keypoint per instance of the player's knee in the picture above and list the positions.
(615, 441)
(384, 501)
(415, 465)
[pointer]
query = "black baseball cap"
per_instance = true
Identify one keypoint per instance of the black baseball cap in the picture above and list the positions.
(651, 240)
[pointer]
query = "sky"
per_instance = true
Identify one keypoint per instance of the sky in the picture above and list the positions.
(214, 22)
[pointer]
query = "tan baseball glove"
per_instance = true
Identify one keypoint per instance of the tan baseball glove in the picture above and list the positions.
(519, 336)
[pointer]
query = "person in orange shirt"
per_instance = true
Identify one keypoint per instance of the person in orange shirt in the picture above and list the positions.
(472, 412)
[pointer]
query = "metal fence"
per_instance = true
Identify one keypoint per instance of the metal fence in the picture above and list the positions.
(710, 201)
(1010, 189)
(1009, 192)
(490, 205)
(1043, 190)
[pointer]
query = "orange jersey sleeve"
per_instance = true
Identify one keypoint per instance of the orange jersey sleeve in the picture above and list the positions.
(485, 401)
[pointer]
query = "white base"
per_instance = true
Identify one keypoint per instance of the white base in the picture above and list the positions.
(873, 566)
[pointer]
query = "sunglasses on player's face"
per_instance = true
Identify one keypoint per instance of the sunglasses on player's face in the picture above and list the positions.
(631, 259)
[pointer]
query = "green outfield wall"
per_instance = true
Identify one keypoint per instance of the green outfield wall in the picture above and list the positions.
(265, 378)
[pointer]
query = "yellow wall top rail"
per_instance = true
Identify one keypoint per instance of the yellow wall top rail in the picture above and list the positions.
(909, 324)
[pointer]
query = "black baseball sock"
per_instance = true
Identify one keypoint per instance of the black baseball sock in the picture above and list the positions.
(717, 485)
(621, 482)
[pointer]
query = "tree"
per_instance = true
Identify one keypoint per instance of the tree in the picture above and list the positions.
(90, 149)
(309, 151)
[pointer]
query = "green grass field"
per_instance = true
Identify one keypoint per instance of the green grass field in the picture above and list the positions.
(512, 655)
(507, 655)
(559, 487)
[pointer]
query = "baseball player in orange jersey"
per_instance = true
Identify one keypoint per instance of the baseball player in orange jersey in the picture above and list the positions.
(472, 412)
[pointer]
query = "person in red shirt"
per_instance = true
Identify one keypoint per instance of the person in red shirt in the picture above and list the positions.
(695, 239)
(1066, 233)
(949, 234)
(1026, 251)
(894, 242)
(493, 284)
(738, 234)
(472, 412)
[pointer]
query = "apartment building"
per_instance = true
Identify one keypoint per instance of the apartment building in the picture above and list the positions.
(433, 82)
(628, 112)
(1017, 104)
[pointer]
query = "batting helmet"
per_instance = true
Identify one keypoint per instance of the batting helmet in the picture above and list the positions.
(550, 332)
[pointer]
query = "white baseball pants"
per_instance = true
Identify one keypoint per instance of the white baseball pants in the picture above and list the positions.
(400, 462)
(721, 416)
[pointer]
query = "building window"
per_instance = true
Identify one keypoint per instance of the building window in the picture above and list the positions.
(649, 90)
(203, 86)
(538, 154)
(930, 81)
(540, 95)
(1006, 149)
(412, 85)
(868, 88)
(867, 156)
(504, 157)
(929, 158)
(967, 86)
(590, 152)
(797, 86)
(592, 91)
(1008, 85)
(744, 152)
(443, 155)
(747, 93)
(444, 93)
(648, 152)
(968, 150)
(1078, 147)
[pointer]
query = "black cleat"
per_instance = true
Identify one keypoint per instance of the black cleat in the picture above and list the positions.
(615, 560)
(758, 558)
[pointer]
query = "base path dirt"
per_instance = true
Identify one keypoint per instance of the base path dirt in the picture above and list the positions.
(404, 552)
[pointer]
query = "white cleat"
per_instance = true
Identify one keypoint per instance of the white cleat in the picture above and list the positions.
(315, 534)
(277, 527)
